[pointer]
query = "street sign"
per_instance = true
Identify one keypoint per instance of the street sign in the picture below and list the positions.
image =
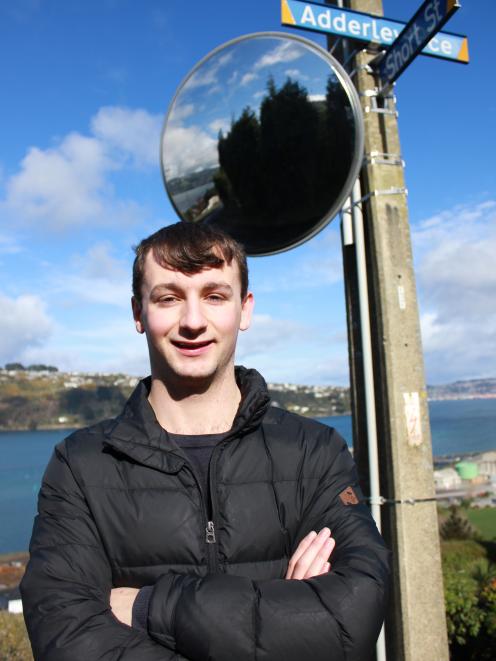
(427, 22)
(317, 17)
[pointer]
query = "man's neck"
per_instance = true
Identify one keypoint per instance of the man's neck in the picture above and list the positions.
(193, 410)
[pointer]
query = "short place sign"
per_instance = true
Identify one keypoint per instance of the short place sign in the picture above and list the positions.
(428, 20)
(364, 27)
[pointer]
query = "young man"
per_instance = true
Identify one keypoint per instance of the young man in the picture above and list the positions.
(196, 525)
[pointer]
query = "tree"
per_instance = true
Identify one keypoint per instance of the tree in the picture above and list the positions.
(456, 526)
(12, 367)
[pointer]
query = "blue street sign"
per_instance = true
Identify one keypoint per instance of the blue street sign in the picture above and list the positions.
(364, 27)
(419, 30)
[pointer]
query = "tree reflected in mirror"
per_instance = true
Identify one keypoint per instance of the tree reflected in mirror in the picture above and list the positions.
(278, 169)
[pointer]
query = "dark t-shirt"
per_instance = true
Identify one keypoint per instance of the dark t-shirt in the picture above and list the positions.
(199, 450)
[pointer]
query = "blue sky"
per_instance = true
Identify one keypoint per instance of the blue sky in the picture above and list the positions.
(85, 88)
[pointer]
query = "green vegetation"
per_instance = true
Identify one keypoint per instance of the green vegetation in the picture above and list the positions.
(456, 526)
(469, 574)
(35, 398)
(39, 367)
(14, 642)
(484, 520)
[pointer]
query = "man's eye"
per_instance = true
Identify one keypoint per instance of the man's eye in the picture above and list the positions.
(167, 299)
(215, 298)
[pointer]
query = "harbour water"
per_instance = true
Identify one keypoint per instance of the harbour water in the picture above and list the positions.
(458, 427)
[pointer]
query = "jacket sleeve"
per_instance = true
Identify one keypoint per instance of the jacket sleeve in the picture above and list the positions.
(336, 617)
(66, 587)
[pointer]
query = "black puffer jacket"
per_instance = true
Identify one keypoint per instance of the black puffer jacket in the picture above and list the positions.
(121, 506)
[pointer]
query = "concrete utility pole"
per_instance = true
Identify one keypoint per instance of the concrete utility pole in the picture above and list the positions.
(416, 622)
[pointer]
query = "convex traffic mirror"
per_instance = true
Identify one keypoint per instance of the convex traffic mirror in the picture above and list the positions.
(264, 138)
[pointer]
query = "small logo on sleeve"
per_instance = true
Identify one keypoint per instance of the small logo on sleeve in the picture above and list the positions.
(348, 497)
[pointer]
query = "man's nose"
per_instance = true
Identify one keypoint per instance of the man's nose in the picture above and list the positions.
(193, 318)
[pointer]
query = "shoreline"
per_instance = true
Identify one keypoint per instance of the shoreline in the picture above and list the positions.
(42, 428)
(58, 427)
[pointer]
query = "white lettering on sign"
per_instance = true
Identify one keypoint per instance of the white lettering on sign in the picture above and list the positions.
(411, 40)
(354, 27)
(386, 34)
(432, 14)
(324, 19)
(339, 23)
(446, 47)
(307, 16)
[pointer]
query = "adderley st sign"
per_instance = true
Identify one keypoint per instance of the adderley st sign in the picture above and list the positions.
(365, 27)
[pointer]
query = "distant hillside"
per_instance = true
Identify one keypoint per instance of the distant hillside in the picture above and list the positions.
(37, 398)
(469, 389)
(42, 397)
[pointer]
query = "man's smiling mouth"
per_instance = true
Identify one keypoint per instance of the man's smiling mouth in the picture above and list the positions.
(192, 348)
(191, 345)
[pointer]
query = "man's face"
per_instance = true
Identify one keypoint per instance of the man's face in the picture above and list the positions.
(191, 321)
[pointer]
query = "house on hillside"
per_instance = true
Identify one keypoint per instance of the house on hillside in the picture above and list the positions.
(486, 462)
(446, 478)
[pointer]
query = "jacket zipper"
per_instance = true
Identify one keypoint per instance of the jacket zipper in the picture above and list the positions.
(210, 536)
(209, 518)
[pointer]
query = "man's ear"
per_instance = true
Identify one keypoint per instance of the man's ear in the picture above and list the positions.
(137, 315)
(247, 306)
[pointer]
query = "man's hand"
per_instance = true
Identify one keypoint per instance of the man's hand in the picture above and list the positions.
(121, 603)
(311, 558)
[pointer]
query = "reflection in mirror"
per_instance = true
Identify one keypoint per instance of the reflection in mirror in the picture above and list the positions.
(264, 138)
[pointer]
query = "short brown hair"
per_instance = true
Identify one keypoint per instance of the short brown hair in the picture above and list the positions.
(190, 248)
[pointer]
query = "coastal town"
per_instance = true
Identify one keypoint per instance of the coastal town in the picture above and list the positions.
(42, 397)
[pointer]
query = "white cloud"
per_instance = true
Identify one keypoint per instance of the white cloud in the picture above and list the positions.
(248, 78)
(208, 74)
(9, 245)
(455, 254)
(295, 73)
(179, 113)
(69, 184)
(320, 264)
(95, 277)
(221, 124)
(101, 347)
(265, 334)
(25, 324)
(286, 52)
(135, 133)
(188, 149)
(63, 185)
(288, 351)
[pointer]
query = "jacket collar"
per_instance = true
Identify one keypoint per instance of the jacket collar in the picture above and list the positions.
(137, 433)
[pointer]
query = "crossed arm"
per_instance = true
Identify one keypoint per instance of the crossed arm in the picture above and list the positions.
(310, 559)
(68, 582)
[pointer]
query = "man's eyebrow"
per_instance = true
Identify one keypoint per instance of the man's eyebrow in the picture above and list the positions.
(209, 286)
(170, 286)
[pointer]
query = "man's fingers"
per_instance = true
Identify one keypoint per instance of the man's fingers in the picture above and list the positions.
(321, 559)
(300, 550)
(326, 568)
(313, 557)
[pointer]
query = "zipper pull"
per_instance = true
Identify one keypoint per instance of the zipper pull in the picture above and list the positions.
(210, 532)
